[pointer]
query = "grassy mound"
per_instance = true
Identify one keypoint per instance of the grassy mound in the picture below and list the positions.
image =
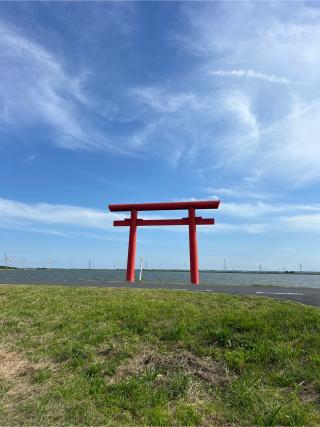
(109, 356)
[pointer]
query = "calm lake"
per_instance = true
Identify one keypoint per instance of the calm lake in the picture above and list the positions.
(100, 277)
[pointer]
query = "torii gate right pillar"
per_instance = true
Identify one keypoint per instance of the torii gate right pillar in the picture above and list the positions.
(194, 265)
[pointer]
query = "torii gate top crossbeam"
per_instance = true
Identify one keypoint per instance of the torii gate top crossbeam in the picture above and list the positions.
(168, 206)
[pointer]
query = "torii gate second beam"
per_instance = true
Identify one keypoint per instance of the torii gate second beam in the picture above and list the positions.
(192, 221)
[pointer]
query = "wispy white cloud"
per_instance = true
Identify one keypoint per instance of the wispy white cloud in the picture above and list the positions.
(240, 104)
(232, 126)
(37, 89)
(166, 102)
(281, 119)
(256, 36)
(30, 216)
(170, 116)
(250, 74)
(30, 158)
(223, 227)
(239, 192)
(185, 127)
(253, 218)
(293, 145)
(260, 209)
(309, 222)
(260, 217)
(44, 213)
(34, 77)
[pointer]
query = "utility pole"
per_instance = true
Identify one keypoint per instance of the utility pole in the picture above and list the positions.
(224, 264)
(89, 264)
(300, 268)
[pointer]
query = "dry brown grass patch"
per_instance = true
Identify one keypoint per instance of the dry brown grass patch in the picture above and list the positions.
(17, 374)
(204, 368)
(13, 365)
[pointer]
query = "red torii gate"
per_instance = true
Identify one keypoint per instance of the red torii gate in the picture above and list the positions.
(192, 221)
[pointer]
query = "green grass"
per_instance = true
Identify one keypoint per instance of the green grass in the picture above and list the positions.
(94, 356)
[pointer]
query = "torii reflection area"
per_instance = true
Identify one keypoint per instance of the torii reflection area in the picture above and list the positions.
(191, 220)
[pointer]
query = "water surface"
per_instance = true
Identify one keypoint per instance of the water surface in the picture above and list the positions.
(100, 277)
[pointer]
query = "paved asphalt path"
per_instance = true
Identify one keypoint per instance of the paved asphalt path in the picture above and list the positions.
(309, 296)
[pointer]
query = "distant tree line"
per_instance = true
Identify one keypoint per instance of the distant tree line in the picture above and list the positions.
(6, 267)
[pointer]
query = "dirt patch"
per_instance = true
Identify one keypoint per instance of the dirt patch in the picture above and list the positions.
(109, 351)
(113, 348)
(12, 365)
(309, 393)
(204, 368)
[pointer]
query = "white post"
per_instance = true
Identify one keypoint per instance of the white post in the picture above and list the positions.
(140, 273)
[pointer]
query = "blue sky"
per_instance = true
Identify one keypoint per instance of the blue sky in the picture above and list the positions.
(160, 101)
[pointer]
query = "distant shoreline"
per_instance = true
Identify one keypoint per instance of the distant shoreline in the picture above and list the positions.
(174, 270)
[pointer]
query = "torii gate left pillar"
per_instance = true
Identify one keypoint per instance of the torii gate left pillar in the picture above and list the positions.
(192, 221)
(132, 246)
(193, 247)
